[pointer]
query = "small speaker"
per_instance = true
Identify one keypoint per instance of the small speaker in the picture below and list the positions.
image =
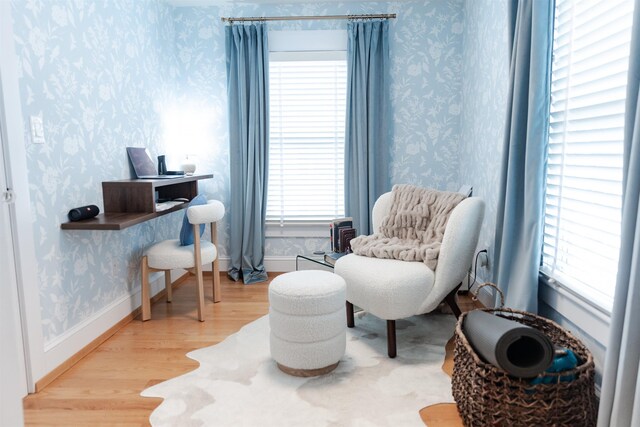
(83, 212)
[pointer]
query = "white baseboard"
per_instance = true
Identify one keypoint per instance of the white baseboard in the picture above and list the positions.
(65, 346)
(486, 295)
(279, 264)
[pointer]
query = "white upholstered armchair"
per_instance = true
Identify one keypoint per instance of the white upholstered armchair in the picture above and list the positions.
(393, 289)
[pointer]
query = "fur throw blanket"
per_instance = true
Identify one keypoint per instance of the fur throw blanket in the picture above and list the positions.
(413, 229)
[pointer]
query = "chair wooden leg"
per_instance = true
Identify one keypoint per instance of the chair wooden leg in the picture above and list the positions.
(167, 284)
(451, 301)
(200, 293)
(145, 297)
(391, 338)
(215, 272)
(215, 267)
(350, 319)
(198, 267)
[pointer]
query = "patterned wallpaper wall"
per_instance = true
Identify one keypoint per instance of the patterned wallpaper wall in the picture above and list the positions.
(112, 73)
(99, 74)
(484, 90)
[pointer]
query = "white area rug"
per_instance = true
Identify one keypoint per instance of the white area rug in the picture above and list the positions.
(238, 384)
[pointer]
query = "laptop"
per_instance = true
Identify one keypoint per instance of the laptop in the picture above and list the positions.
(143, 166)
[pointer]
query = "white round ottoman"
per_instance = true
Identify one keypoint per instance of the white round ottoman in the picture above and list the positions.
(308, 321)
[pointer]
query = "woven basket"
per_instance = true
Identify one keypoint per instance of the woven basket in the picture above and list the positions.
(487, 396)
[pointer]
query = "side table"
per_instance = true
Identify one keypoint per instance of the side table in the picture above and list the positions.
(316, 259)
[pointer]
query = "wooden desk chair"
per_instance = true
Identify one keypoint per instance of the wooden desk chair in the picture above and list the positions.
(169, 254)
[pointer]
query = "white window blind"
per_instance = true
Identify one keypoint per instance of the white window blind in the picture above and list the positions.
(307, 102)
(584, 172)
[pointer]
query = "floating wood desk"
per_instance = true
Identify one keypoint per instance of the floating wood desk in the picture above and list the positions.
(131, 201)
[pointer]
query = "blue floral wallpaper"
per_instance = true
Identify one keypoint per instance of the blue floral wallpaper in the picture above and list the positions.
(99, 74)
(484, 91)
(106, 74)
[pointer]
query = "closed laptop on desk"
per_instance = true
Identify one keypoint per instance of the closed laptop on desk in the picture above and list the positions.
(143, 166)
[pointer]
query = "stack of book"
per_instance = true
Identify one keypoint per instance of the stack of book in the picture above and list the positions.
(341, 232)
(332, 257)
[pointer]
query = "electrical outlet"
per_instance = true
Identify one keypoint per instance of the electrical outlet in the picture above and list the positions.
(483, 258)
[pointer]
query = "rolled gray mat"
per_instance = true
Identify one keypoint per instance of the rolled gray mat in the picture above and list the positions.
(519, 350)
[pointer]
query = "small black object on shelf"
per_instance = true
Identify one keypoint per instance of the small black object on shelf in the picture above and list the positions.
(162, 165)
(83, 212)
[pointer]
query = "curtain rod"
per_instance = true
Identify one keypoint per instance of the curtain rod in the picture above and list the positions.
(296, 18)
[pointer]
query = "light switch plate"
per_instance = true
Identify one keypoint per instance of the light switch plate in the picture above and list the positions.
(37, 130)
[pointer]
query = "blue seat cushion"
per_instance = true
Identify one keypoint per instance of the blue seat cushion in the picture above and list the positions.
(186, 233)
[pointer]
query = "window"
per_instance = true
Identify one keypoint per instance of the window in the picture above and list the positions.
(584, 171)
(307, 102)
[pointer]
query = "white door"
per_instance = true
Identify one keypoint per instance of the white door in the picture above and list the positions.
(13, 377)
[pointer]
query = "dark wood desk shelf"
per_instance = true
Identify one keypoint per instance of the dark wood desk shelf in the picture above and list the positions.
(131, 201)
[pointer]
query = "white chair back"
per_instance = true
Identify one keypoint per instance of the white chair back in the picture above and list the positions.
(213, 211)
(381, 208)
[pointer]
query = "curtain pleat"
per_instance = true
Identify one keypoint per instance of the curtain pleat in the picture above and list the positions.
(247, 57)
(620, 392)
(520, 212)
(368, 121)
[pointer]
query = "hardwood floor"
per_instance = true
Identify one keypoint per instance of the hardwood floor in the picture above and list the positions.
(104, 387)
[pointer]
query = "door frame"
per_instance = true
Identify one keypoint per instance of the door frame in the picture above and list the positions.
(15, 160)
(13, 387)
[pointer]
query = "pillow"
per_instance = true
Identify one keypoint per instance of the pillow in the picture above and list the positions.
(186, 233)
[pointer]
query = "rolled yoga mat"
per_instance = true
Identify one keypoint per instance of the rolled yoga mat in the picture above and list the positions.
(519, 350)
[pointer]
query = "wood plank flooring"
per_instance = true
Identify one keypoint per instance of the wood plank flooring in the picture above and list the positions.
(104, 387)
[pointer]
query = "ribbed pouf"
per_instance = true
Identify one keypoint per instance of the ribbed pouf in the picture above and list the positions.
(308, 321)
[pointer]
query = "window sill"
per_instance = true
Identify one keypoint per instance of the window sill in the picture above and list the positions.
(297, 229)
(585, 314)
